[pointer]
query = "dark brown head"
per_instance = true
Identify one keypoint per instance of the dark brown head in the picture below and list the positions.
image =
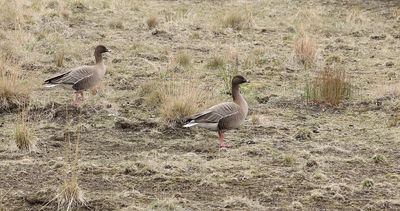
(98, 52)
(100, 49)
(239, 80)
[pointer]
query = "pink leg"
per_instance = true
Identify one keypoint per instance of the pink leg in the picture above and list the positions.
(222, 144)
(82, 98)
(77, 100)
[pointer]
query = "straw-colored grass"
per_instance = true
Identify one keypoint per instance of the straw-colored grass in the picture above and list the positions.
(331, 86)
(305, 50)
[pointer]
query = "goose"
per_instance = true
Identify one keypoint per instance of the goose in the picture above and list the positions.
(223, 116)
(83, 77)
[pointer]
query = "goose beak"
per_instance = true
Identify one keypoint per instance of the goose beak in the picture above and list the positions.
(247, 81)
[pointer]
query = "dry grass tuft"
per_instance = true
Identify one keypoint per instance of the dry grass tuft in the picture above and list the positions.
(216, 62)
(11, 16)
(305, 50)
(367, 183)
(152, 21)
(183, 59)
(167, 204)
(394, 120)
(181, 101)
(116, 24)
(242, 203)
(71, 194)
(175, 100)
(378, 158)
(59, 57)
(23, 138)
(236, 19)
(331, 86)
(14, 92)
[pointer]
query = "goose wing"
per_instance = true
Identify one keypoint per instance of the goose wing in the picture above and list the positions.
(72, 76)
(215, 113)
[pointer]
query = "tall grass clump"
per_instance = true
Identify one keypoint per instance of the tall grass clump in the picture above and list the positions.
(175, 100)
(305, 50)
(14, 92)
(70, 194)
(216, 62)
(181, 100)
(152, 21)
(331, 86)
(23, 136)
(236, 19)
(183, 59)
(13, 14)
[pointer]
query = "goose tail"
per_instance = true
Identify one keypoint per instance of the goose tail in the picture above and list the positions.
(190, 124)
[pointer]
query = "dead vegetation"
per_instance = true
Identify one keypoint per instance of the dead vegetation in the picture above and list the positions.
(70, 195)
(176, 100)
(286, 156)
(305, 49)
(14, 92)
(330, 86)
(152, 21)
(237, 19)
(23, 136)
(183, 59)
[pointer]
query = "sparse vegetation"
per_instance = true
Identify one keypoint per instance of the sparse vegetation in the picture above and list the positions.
(14, 92)
(287, 155)
(229, 71)
(152, 22)
(183, 59)
(305, 50)
(23, 137)
(216, 62)
(181, 101)
(236, 19)
(331, 86)
(394, 120)
(367, 183)
(167, 204)
(175, 101)
(59, 57)
(116, 24)
(377, 158)
(288, 160)
(70, 195)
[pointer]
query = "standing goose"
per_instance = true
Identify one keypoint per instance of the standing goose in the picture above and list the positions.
(83, 77)
(223, 116)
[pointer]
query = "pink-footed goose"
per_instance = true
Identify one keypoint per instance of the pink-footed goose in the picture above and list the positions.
(223, 116)
(83, 77)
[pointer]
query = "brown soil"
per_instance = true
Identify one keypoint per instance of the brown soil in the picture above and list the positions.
(288, 154)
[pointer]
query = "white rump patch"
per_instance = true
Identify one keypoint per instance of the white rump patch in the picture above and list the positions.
(50, 85)
(190, 124)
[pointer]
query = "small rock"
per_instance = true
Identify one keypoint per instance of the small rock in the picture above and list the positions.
(311, 163)
(378, 37)
(389, 64)
(57, 145)
(116, 61)
(303, 134)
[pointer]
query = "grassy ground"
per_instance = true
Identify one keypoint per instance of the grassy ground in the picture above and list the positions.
(170, 58)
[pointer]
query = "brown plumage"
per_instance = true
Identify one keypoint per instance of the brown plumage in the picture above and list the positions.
(83, 77)
(223, 116)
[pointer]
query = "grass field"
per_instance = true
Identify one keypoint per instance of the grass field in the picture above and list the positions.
(302, 147)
